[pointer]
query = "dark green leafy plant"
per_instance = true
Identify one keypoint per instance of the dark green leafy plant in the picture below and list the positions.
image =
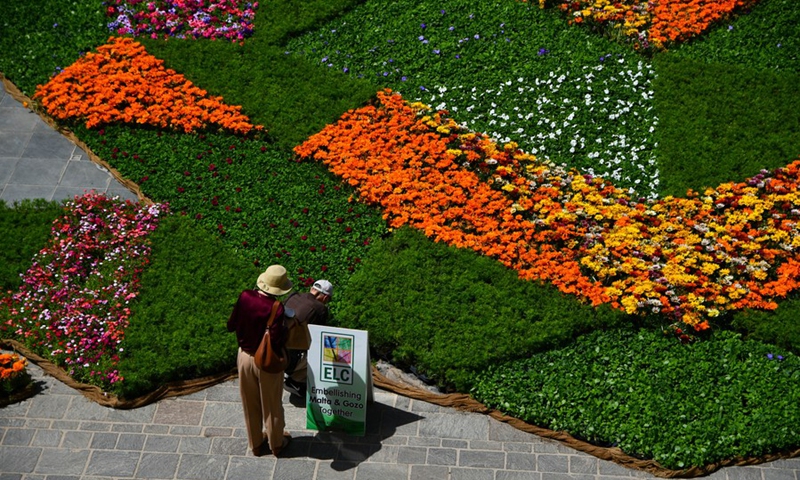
(178, 325)
(24, 230)
(655, 398)
(780, 327)
(722, 122)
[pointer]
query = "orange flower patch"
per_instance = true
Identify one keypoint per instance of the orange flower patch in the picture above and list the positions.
(689, 258)
(123, 83)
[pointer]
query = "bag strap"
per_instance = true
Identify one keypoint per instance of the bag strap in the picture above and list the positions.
(272, 314)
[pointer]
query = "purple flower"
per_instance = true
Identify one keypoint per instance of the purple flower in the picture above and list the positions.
(422, 88)
(421, 37)
(403, 78)
(769, 355)
(324, 59)
(385, 74)
(345, 69)
(437, 51)
(391, 60)
(453, 28)
(442, 12)
(423, 25)
(730, 27)
(543, 51)
(458, 55)
(477, 36)
(780, 357)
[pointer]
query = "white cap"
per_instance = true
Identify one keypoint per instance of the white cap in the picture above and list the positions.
(323, 286)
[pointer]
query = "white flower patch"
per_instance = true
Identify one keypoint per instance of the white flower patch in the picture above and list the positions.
(599, 119)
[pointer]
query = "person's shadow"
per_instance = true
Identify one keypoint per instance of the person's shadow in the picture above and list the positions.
(348, 451)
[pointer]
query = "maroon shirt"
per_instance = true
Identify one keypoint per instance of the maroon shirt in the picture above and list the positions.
(249, 320)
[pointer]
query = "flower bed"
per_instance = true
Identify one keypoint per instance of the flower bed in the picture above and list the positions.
(730, 248)
(15, 381)
(229, 19)
(123, 83)
(74, 304)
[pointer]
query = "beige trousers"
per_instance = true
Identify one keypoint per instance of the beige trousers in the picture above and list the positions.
(262, 400)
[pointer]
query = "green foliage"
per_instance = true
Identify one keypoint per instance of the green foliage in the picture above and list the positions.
(265, 206)
(682, 405)
(765, 38)
(24, 230)
(37, 38)
(508, 69)
(721, 122)
(178, 325)
(780, 327)
(450, 312)
(277, 21)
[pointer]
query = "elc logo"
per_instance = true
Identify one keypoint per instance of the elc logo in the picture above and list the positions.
(337, 358)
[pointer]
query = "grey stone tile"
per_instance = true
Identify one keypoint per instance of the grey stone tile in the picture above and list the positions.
(104, 441)
(47, 143)
(428, 472)
(184, 431)
(250, 468)
(180, 413)
(775, 474)
(13, 145)
(507, 475)
(223, 393)
(19, 459)
(335, 471)
(323, 450)
(424, 441)
(10, 476)
(229, 446)
(442, 456)
(787, 463)
(353, 452)
(520, 461)
(471, 474)
(396, 440)
(743, 473)
(13, 120)
(481, 459)
(420, 406)
(555, 463)
(75, 440)
(126, 428)
(450, 425)
(62, 461)
(223, 414)
(37, 424)
(116, 189)
(217, 432)
(485, 445)
(453, 443)
(95, 426)
(69, 193)
(20, 437)
(112, 463)
(203, 467)
(412, 455)
(371, 471)
(517, 447)
(582, 464)
(131, 441)
(6, 169)
(384, 454)
(159, 465)
(195, 445)
(161, 443)
(548, 446)
(156, 429)
(65, 425)
(49, 406)
(46, 438)
(135, 415)
(294, 469)
(611, 468)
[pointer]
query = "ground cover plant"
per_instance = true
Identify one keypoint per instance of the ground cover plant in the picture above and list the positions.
(293, 94)
(26, 228)
(640, 390)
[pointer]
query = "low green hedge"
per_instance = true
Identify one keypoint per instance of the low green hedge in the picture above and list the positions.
(449, 313)
(178, 324)
(25, 228)
(653, 397)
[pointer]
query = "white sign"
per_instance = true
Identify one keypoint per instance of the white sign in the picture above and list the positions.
(339, 380)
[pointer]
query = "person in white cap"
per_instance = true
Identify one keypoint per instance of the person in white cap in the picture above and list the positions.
(311, 308)
(261, 391)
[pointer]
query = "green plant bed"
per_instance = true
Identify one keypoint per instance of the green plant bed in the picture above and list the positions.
(24, 230)
(722, 122)
(780, 327)
(451, 312)
(655, 398)
(178, 328)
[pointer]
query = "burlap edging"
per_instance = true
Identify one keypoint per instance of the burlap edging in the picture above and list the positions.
(458, 401)
(96, 394)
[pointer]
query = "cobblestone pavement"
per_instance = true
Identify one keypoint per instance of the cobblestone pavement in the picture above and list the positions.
(59, 434)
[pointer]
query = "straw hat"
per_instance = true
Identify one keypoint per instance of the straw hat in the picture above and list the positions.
(274, 281)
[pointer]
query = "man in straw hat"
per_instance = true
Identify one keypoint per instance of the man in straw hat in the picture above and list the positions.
(261, 391)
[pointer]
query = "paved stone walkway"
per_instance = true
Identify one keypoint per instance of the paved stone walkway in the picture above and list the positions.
(59, 434)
